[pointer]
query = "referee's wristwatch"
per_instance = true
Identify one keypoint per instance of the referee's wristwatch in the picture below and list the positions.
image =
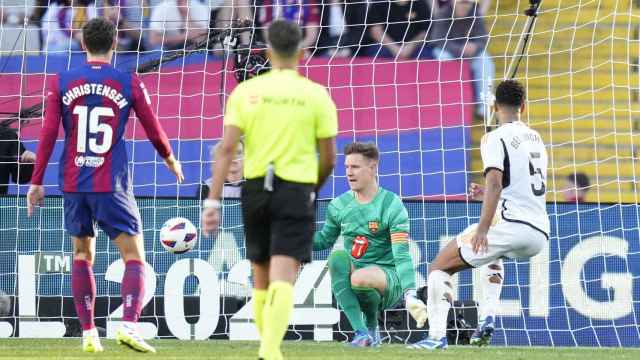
(211, 203)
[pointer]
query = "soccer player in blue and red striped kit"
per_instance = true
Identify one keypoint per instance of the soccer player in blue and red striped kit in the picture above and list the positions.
(94, 101)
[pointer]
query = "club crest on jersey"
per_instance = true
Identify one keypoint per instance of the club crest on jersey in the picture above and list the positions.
(373, 226)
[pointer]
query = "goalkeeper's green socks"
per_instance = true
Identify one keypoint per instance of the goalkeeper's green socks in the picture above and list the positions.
(277, 311)
(340, 270)
(370, 300)
(259, 298)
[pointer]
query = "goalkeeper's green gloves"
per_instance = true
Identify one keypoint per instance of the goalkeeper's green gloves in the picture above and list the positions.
(416, 307)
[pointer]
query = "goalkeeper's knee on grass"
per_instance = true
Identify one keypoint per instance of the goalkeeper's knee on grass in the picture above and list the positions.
(340, 269)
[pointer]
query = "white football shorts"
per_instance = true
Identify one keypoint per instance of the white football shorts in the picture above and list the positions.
(505, 239)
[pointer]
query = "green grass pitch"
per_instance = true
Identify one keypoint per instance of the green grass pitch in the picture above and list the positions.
(178, 349)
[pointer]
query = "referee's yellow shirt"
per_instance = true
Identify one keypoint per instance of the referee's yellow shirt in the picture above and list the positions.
(282, 115)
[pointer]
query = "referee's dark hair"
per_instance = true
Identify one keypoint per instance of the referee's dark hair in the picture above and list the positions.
(510, 93)
(284, 37)
(368, 150)
(98, 35)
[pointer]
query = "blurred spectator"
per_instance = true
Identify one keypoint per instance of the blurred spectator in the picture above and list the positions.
(233, 182)
(62, 24)
(11, 13)
(16, 162)
(459, 32)
(224, 12)
(305, 13)
(343, 26)
(576, 188)
(176, 23)
(128, 17)
(483, 5)
(398, 28)
(39, 8)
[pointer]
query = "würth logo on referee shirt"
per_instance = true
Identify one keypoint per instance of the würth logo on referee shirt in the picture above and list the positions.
(254, 99)
(373, 226)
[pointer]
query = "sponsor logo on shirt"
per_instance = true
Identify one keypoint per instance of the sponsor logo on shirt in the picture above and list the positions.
(89, 161)
(359, 247)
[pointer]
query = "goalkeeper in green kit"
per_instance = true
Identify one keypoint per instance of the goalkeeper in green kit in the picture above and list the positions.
(375, 270)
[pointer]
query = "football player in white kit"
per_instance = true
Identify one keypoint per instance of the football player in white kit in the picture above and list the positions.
(513, 221)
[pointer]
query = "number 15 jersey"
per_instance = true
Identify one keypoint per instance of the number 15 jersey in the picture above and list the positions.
(518, 151)
(94, 102)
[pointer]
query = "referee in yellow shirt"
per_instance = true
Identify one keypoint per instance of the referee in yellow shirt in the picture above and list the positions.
(286, 120)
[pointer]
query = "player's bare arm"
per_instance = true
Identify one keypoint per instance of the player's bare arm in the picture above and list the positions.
(175, 167)
(476, 191)
(493, 188)
(223, 157)
(327, 159)
(35, 197)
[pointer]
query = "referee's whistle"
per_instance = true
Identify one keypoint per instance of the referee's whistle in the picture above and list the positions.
(268, 178)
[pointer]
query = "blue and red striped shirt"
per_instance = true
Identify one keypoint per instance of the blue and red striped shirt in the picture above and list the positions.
(94, 102)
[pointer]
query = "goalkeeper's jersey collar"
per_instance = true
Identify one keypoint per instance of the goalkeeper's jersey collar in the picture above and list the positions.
(373, 199)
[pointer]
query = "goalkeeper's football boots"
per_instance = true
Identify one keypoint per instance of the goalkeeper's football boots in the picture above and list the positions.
(128, 335)
(430, 344)
(91, 341)
(483, 333)
(375, 335)
(362, 339)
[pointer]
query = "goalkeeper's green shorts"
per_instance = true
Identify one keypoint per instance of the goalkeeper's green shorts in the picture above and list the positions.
(393, 293)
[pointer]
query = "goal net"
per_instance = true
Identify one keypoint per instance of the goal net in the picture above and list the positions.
(422, 97)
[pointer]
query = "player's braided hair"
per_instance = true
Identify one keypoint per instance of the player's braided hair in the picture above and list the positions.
(510, 93)
(368, 150)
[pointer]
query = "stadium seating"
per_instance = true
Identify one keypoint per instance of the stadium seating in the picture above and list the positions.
(582, 93)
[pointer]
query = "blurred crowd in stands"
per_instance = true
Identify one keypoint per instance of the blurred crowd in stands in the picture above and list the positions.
(400, 29)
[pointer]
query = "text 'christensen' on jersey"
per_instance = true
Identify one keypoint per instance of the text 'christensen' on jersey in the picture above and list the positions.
(94, 102)
(95, 89)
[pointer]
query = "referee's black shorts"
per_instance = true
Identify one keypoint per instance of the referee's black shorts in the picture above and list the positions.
(280, 222)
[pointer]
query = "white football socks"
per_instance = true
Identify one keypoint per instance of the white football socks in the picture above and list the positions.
(492, 275)
(438, 303)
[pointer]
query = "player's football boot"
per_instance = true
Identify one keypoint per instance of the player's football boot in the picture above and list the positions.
(483, 333)
(362, 339)
(128, 335)
(91, 341)
(375, 335)
(430, 344)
